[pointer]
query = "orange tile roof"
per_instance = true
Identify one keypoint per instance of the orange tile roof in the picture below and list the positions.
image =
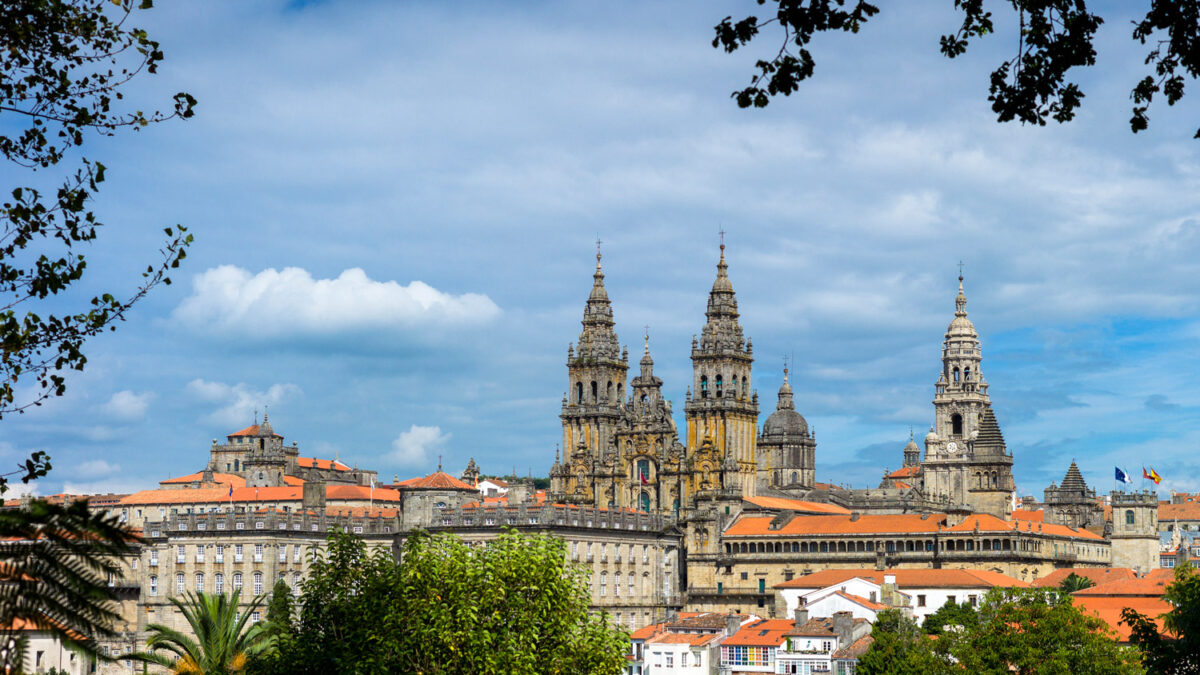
(1145, 587)
(866, 524)
(860, 600)
(761, 633)
(438, 480)
(325, 464)
(1031, 516)
(907, 578)
(906, 472)
(223, 478)
(826, 486)
(1109, 610)
(292, 480)
(1098, 575)
(1160, 573)
(693, 639)
(903, 486)
(800, 505)
(989, 523)
(256, 494)
(1185, 511)
(646, 632)
(856, 650)
(251, 430)
(362, 511)
(363, 492)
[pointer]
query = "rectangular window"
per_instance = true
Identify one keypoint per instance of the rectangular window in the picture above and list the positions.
(237, 553)
(920, 601)
(296, 553)
(220, 553)
(258, 552)
(219, 583)
(179, 554)
(283, 553)
(153, 585)
(199, 581)
(180, 584)
(200, 553)
(255, 617)
(153, 558)
(670, 660)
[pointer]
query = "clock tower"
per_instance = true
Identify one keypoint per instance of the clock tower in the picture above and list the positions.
(966, 460)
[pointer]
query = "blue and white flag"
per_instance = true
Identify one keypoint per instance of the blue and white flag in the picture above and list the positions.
(1122, 476)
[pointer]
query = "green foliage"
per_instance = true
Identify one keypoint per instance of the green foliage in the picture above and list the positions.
(900, 648)
(514, 606)
(280, 611)
(224, 642)
(949, 615)
(1177, 652)
(1073, 582)
(1054, 37)
(63, 65)
(55, 565)
(1038, 630)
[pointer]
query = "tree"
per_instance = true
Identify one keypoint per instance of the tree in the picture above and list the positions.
(224, 642)
(1178, 651)
(899, 647)
(280, 610)
(63, 65)
(1038, 630)
(1054, 37)
(950, 615)
(55, 564)
(1073, 582)
(514, 606)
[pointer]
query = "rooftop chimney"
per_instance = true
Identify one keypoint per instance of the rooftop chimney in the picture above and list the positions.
(732, 623)
(801, 616)
(843, 625)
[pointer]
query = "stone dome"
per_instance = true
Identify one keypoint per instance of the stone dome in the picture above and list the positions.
(931, 437)
(785, 422)
(912, 446)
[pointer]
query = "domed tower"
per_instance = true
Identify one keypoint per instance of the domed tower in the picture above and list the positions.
(912, 452)
(966, 459)
(723, 409)
(649, 447)
(786, 449)
(596, 373)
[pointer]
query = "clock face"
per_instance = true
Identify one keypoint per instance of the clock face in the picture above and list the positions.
(952, 446)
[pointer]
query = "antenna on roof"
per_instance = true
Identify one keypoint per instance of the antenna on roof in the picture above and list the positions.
(439, 462)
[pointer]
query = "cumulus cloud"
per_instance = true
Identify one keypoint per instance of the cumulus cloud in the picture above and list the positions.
(413, 448)
(94, 468)
(107, 486)
(239, 401)
(128, 406)
(276, 303)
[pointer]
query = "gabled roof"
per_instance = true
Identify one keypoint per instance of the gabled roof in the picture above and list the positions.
(819, 626)
(866, 524)
(438, 480)
(989, 523)
(224, 478)
(761, 633)
(646, 632)
(1037, 516)
(256, 494)
(1109, 610)
(706, 620)
(1185, 511)
(252, 430)
(798, 505)
(861, 601)
(855, 650)
(1098, 575)
(907, 578)
(693, 639)
(325, 464)
(1143, 587)
(905, 472)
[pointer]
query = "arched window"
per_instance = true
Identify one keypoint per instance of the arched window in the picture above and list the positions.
(179, 583)
(1129, 516)
(631, 584)
(794, 478)
(644, 501)
(620, 392)
(595, 392)
(645, 398)
(258, 583)
(235, 465)
(733, 387)
(703, 386)
(219, 583)
(609, 393)
(718, 386)
(237, 581)
(967, 373)
(956, 424)
(579, 392)
(153, 585)
(199, 581)
(643, 471)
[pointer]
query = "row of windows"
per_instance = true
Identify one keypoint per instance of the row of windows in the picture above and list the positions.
(219, 583)
(616, 583)
(747, 656)
(719, 386)
(890, 546)
(596, 392)
(594, 550)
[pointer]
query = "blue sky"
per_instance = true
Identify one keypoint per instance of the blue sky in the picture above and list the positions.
(395, 207)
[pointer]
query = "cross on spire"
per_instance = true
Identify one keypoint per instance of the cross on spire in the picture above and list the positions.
(722, 233)
(960, 268)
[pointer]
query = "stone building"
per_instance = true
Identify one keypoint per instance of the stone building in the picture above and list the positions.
(1073, 503)
(1134, 536)
(259, 455)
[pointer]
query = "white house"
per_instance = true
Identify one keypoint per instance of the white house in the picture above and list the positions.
(811, 645)
(924, 590)
(682, 653)
(492, 487)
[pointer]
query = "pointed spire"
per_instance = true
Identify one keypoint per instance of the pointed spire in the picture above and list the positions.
(597, 340)
(785, 394)
(721, 331)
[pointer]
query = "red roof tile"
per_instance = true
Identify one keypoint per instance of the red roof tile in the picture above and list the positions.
(224, 478)
(693, 639)
(1098, 575)
(1109, 610)
(907, 578)
(860, 600)
(325, 464)
(1145, 587)
(252, 430)
(867, 524)
(438, 480)
(856, 650)
(761, 633)
(798, 505)
(989, 523)
(1031, 516)
(906, 472)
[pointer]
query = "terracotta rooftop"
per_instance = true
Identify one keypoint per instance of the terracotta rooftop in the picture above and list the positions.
(325, 464)
(223, 478)
(438, 480)
(906, 472)
(1185, 511)
(855, 650)
(866, 524)
(1143, 587)
(220, 495)
(1098, 575)
(990, 523)
(907, 578)
(798, 505)
(646, 632)
(761, 633)
(705, 620)
(860, 600)
(694, 639)
(1109, 610)
(1030, 516)
(252, 430)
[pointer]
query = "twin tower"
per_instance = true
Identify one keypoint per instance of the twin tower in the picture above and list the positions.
(620, 444)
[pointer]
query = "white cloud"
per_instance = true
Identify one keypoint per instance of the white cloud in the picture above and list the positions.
(413, 447)
(128, 406)
(276, 303)
(239, 401)
(107, 486)
(94, 468)
(17, 489)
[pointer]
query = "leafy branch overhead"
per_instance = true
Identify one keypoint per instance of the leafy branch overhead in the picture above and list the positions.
(1053, 37)
(63, 67)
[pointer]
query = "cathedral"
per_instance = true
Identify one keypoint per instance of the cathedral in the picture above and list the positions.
(621, 447)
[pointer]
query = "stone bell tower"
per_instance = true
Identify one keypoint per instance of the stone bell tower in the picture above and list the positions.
(966, 459)
(722, 409)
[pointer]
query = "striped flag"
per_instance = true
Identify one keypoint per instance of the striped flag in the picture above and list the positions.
(1152, 475)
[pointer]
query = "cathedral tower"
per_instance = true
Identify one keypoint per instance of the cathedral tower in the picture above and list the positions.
(786, 448)
(722, 409)
(596, 372)
(651, 456)
(965, 456)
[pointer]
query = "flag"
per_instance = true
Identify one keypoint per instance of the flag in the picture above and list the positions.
(1123, 476)
(642, 475)
(1152, 475)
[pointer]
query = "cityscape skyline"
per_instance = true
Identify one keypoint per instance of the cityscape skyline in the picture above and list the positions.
(395, 241)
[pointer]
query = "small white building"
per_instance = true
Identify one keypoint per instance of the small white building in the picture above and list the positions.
(926, 590)
(682, 653)
(492, 487)
(811, 645)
